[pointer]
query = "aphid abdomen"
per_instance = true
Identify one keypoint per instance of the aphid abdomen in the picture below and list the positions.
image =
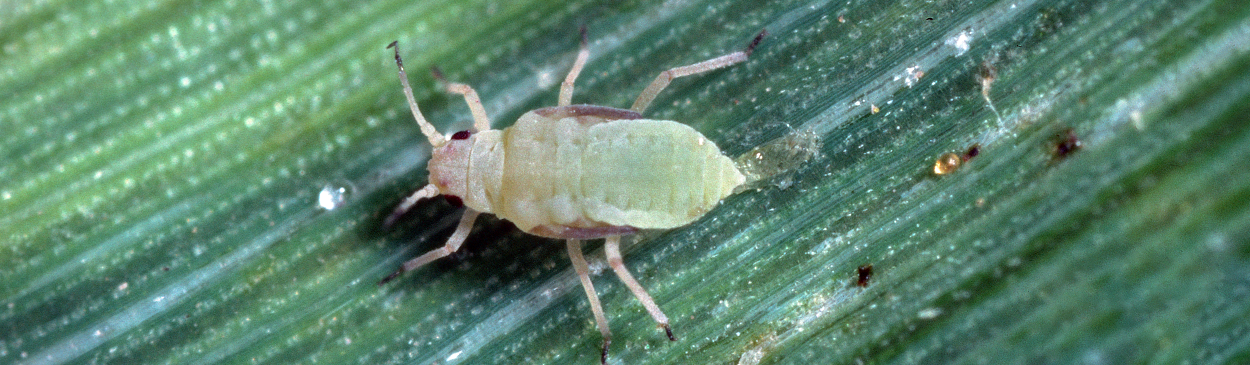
(579, 173)
(653, 174)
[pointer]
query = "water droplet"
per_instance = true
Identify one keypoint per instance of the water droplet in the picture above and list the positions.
(331, 197)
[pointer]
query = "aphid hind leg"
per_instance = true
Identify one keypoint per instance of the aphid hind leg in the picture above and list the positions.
(583, 273)
(566, 88)
(427, 129)
(648, 95)
(480, 121)
(611, 247)
(453, 244)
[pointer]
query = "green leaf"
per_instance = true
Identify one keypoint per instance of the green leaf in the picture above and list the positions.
(163, 163)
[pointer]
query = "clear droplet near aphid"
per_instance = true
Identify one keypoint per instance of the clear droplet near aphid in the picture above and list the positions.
(331, 196)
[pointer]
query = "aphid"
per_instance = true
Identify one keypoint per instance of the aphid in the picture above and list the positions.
(578, 172)
(865, 274)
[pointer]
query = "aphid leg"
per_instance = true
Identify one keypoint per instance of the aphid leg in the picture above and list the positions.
(611, 247)
(429, 191)
(566, 88)
(453, 244)
(583, 273)
(480, 121)
(665, 77)
(427, 129)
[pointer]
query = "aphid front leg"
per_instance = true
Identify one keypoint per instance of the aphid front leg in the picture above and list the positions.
(566, 88)
(611, 247)
(480, 121)
(583, 273)
(453, 244)
(666, 77)
(429, 191)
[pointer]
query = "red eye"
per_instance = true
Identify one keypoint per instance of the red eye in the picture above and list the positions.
(454, 200)
(461, 135)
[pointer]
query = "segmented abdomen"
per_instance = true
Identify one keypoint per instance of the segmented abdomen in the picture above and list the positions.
(637, 173)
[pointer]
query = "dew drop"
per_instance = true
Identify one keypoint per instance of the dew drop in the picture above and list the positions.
(331, 197)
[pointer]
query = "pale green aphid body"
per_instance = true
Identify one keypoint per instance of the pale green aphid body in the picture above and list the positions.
(579, 172)
(573, 176)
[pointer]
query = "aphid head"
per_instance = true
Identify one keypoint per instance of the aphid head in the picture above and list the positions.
(450, 162)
